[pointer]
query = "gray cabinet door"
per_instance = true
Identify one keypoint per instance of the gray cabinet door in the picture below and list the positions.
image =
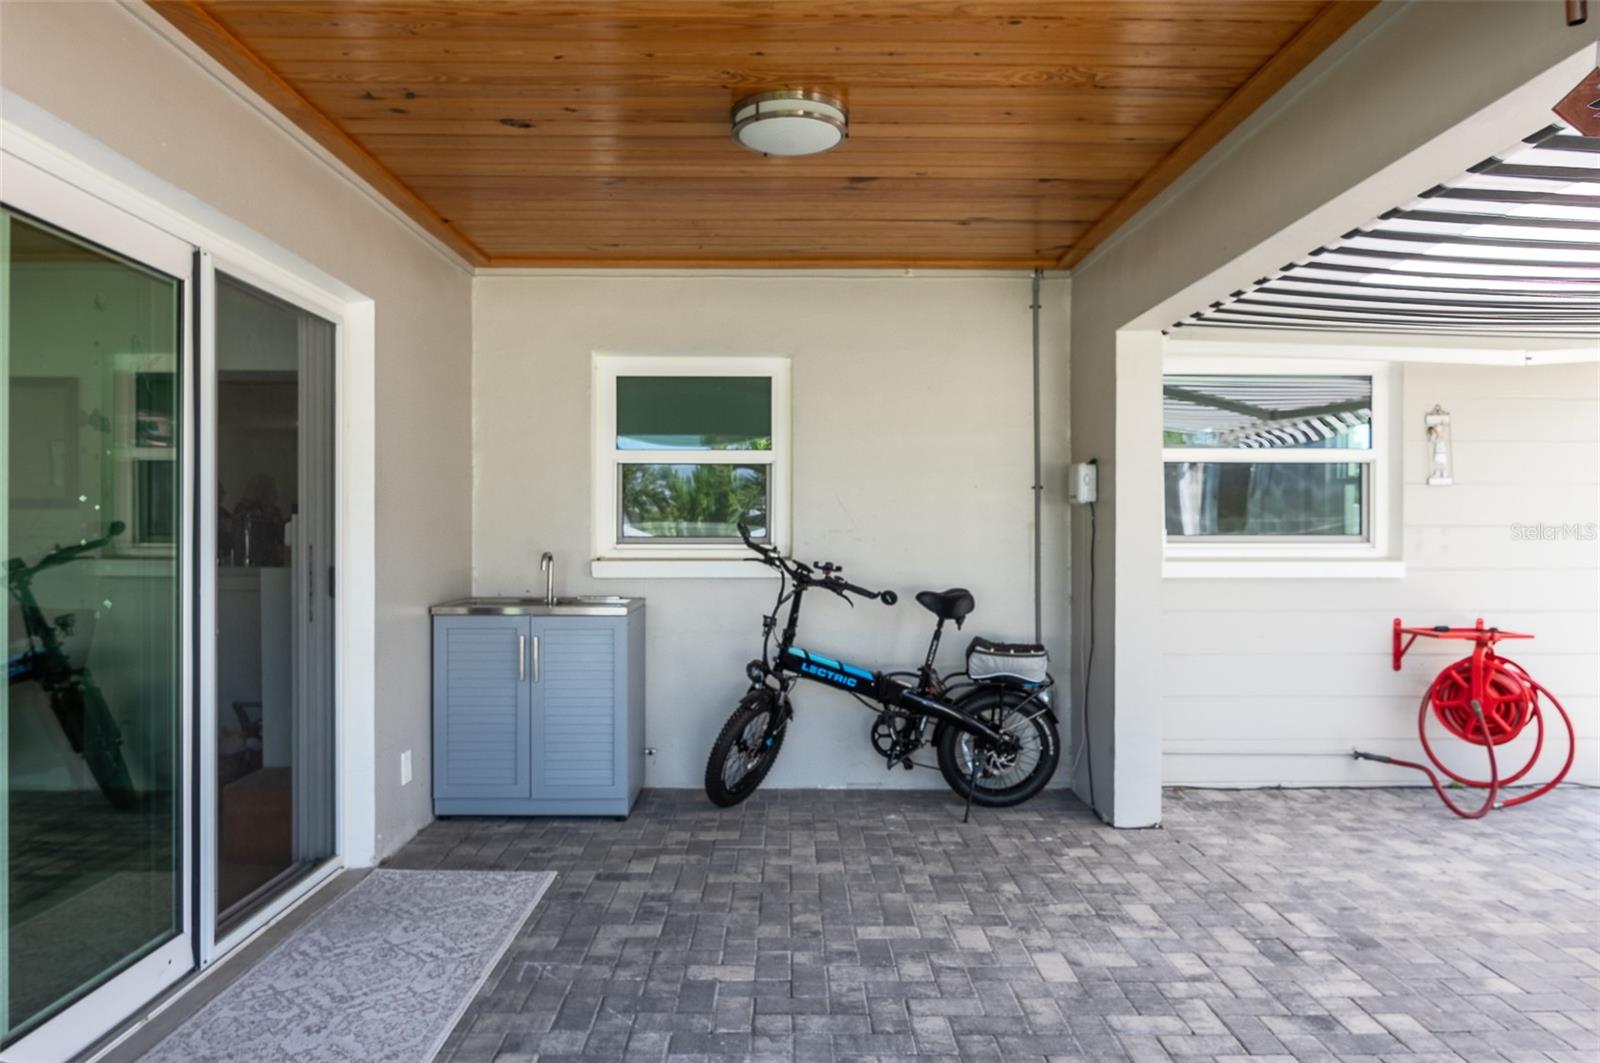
(578, 739)
(482, 707)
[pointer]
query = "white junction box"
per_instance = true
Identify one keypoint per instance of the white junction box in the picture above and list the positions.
(1083, 482)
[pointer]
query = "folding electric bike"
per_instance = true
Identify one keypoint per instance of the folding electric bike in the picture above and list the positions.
(993, 727)
(75, 699)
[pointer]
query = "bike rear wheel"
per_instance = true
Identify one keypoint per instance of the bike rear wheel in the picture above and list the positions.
(745, 749)
(1004, 777)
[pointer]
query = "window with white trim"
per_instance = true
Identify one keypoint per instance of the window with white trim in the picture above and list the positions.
(1273, 460)
(686, 449)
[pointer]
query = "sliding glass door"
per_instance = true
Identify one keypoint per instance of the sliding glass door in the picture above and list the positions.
(93, 719)
(273, 585)
(168, 741)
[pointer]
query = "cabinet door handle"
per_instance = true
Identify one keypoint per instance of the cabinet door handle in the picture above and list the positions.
(536, 658)
(522, 658)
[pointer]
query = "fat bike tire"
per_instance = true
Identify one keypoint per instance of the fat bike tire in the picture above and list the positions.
(1003, 779)
(746, 748)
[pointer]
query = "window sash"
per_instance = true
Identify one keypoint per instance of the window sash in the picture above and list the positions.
(694, 457)
(1377, 492)
(1354, 539)
(1286, 456)
(662, 410)
(606, 480)
(624, 539)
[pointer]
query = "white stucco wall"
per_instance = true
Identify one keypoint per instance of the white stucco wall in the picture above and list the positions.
(153, 104)
(1273, 682)
(1413, 95)
(912, 467)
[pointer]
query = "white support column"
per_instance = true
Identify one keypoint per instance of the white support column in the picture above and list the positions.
(1135, 783)
(356, 597)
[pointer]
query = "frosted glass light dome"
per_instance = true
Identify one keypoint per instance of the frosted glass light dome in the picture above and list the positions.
(791, 122)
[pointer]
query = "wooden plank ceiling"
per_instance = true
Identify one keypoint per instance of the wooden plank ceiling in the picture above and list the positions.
(987, 133)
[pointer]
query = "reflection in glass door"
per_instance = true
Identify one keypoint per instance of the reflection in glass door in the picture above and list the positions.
(91, 742)
(274, 581)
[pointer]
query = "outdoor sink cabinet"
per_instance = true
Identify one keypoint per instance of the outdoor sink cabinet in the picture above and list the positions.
(538, 707)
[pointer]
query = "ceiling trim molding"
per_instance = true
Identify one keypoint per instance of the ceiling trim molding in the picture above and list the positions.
(741, 272)
(1328, 26)
(194, 24)
(786, 263)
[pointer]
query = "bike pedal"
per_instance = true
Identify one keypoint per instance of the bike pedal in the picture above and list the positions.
(905, 762)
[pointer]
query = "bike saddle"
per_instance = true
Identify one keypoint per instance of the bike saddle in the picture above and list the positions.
(953, 604)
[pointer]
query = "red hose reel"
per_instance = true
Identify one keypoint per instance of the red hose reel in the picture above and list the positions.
(1487, 700)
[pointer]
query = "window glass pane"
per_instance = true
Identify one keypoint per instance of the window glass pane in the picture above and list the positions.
(1207, 498)
(694, 413)
(1267, 412)
(693, 502)
(154, 409)
(155, 503)
(91, 726)
(274, 475)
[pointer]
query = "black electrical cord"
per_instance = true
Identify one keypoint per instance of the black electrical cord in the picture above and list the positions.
(1088, 668)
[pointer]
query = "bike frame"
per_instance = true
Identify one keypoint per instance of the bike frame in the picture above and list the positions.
(44, 660)
(791, 663)
(76, 701)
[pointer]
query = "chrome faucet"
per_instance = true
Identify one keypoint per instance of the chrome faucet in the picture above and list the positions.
(547, 565)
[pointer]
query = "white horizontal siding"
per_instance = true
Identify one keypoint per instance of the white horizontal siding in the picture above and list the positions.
(1423, 597)
(1346, 631)
(1495, 419)
(1461, 547)
(1510, 461)
(1352, 674)
(1273, 682)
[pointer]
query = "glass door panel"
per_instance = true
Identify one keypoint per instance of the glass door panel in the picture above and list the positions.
(91, 738)
(273, 578)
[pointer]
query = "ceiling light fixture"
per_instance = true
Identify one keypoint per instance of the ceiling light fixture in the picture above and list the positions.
(790, 122)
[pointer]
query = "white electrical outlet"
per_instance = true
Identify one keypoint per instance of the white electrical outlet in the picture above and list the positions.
(405, 768)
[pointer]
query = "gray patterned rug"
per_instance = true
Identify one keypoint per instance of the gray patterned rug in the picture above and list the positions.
(382, 973)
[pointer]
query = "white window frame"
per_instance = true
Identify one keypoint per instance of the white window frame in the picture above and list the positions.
(1238, 556)
(614, 557)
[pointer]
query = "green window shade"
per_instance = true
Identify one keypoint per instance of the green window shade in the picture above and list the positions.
(694, 413)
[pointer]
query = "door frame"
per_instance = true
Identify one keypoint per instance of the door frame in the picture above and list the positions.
(56, 154)
(36, 193)
(311, 300)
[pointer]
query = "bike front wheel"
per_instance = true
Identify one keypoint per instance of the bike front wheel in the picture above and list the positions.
(746, 748)
(1003, 776)
(83, 711)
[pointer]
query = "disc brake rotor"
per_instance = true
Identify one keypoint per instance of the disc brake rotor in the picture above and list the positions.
(993, 761)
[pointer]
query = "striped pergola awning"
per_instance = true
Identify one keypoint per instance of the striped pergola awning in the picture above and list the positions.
(1510, 247)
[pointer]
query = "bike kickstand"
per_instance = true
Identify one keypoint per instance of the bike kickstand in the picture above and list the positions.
(972, 784)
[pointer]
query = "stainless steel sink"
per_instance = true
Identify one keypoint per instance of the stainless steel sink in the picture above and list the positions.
(581, 605)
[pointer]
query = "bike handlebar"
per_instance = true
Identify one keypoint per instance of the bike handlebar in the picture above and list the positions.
(62, 554)
(801, 572)
(886, 597)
